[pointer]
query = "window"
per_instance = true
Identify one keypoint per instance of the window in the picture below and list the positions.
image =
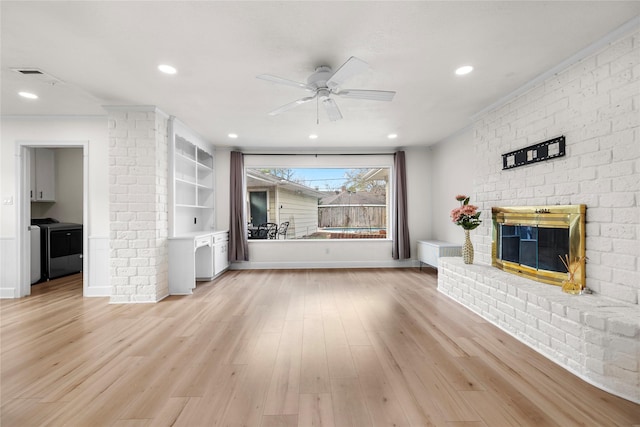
(318, 197)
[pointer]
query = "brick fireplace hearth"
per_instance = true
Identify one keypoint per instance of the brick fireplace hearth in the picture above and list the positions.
(595, 337)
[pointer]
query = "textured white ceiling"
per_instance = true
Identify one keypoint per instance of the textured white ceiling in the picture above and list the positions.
(106, 53)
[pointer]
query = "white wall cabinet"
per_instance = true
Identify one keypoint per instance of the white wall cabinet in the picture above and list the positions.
(43, 175)
(220, 252)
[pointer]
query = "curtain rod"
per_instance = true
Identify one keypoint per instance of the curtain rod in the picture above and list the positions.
(318, 154)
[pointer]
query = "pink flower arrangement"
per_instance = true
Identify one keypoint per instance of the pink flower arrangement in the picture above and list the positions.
(466, 216)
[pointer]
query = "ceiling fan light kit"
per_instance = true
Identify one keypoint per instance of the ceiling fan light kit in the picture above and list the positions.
(324, 82)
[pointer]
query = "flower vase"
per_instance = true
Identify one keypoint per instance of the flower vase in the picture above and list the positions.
(467, 249)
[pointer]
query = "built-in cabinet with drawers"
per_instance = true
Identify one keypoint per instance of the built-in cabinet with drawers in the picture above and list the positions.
(42, 175)
(196, 256)
(197, 250)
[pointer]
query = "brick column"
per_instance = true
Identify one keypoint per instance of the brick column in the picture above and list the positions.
(138, 197)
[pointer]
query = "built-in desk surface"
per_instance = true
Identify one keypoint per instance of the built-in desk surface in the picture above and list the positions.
(196, 255)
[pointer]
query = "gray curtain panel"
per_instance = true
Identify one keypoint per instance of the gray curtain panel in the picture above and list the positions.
(400, 229)
(238, 244)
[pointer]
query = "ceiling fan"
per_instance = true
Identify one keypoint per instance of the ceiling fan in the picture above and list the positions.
(324, 83)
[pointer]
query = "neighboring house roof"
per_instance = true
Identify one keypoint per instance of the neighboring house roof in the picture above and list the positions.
(256, 178)
(347, 198)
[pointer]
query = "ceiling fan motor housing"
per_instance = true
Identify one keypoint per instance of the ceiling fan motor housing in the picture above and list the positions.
(319, 78)
(323, 93)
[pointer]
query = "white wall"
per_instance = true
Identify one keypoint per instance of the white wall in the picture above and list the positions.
(419, 165)
(339, 253)
(222, 159)
(92, 129)
(453, 172)
(81, 129)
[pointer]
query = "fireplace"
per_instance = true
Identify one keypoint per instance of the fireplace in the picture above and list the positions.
(531, 240)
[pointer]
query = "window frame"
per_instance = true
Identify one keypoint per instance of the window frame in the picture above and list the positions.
(327, 161)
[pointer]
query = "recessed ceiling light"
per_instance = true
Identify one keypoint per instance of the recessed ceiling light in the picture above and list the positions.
(392, 136)
(28, 95)
(313, 136)
(167, 69)
(466, 69)
(233, 135)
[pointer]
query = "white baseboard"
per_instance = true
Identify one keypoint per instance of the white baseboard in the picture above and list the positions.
(252, 265)
(97, 291)
(139, 299)
(6, 293)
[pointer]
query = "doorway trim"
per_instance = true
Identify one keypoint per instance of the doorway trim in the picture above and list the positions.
(23, 243)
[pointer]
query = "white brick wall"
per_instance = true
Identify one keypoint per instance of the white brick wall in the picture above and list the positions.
(595, 337)
(596, 105)
(138, 204)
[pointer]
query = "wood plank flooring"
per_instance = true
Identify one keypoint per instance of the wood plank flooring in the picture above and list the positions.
(362, 347)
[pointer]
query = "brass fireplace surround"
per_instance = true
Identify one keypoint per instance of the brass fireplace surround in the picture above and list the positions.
(571, 217)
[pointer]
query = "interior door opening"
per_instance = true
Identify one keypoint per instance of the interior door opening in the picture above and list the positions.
(53, 213)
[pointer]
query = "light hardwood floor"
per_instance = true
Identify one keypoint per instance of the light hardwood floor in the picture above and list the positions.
(282, 348)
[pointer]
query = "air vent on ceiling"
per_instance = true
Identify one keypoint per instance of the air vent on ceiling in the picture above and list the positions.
(31, 71)
(37, 74)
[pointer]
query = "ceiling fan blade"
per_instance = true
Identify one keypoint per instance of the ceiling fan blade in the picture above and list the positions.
(332, 109)
(283, 81)
(374, 95)
(291, 105)
(350, 68)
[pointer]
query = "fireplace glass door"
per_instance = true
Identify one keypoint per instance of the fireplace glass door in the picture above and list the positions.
(536, 247)
(529, 241)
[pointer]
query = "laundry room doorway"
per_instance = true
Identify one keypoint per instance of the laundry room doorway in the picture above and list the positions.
(52, 212)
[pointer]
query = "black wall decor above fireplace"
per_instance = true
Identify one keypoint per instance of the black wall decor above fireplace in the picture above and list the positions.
(534, 153)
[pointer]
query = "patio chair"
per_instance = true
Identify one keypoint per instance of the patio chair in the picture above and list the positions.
(272, 230)
(267, 230)
(282, 230)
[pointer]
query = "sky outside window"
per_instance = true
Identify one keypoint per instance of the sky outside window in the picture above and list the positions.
(324, 179)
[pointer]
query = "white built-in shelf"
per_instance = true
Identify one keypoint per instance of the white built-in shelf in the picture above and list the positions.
(192, 181)
(196, 251)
